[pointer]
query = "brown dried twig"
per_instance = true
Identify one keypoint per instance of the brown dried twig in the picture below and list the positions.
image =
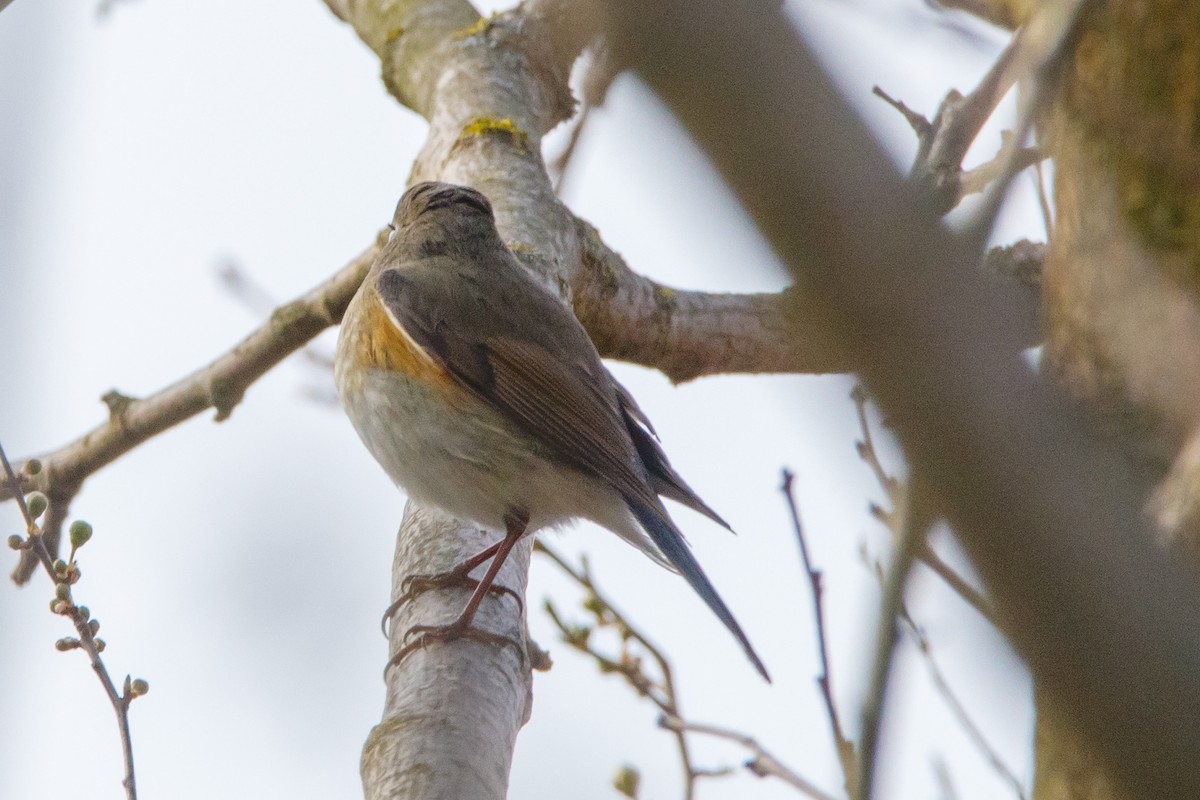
(762, 763)
(65, 575)
(627, 665)
(847, 756)
(918, 514)
(943, 143)
(662, 693)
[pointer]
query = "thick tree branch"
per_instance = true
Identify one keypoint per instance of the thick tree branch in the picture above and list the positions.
(1051, 518)
(690, 334)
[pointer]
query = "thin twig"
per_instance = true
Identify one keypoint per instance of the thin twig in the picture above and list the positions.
(1043, 198)
(662, 695)
(763, 763)
(1039, 57)
(943, 143)
(956, 707)
(917, 515)
(85, 626)
(977, 180)
(895, 492)
(845, 748)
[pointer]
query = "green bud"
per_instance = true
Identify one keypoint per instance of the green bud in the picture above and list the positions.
(94, 626)
(37, 503)
(58, 606)
(66, 643)
(593, 604)
(100, 645)
(80, 533)
(32, 467)
(15, 542)
(627, 780)
(60, 567)
(85, 612)
(139, 687)
(62, 591)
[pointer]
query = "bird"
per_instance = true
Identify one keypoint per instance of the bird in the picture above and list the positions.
(480, 393)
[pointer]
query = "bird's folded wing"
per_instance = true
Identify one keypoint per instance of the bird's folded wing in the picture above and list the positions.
(570, 408)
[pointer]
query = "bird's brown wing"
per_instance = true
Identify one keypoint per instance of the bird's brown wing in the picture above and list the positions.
(559, 401)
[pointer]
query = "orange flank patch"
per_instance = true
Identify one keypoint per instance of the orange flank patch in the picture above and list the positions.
(382, 344)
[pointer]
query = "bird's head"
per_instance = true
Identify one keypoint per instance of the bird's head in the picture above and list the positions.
(457, 209)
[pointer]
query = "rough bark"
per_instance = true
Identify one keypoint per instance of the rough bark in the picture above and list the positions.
(1122, 278)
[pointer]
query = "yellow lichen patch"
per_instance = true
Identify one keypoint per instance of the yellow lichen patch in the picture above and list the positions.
(482, 25)
(489, 126)
(665, 298)
(393, 35)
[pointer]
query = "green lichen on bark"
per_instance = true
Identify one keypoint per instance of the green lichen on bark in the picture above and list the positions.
(1133, 91)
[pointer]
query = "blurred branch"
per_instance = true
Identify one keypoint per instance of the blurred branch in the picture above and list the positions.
(1051, 517)
(956, 707)
(847, 757)
(997, 12)
(256, 298)
(219, 385)
(916, 514)
(597, 78)
(65, 575)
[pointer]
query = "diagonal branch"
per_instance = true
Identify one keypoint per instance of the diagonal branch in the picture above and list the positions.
(218, 385)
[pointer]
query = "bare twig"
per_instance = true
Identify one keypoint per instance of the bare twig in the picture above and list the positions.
(627, 665)
(895, 493)
(943, 143)
(762, 763)
(978, 179)
(598, 77)
(956, 707)
(661, 694)
(845, 748)
(917, 515)
(64, 576)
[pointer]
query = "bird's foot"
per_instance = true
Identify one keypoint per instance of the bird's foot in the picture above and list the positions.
(460, 576)
(461, 628)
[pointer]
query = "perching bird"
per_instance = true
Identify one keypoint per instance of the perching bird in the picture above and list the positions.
(480, 393)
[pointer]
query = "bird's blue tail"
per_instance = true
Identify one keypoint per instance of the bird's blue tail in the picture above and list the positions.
(666, 536)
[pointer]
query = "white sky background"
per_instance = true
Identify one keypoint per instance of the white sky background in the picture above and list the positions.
(242, 568)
